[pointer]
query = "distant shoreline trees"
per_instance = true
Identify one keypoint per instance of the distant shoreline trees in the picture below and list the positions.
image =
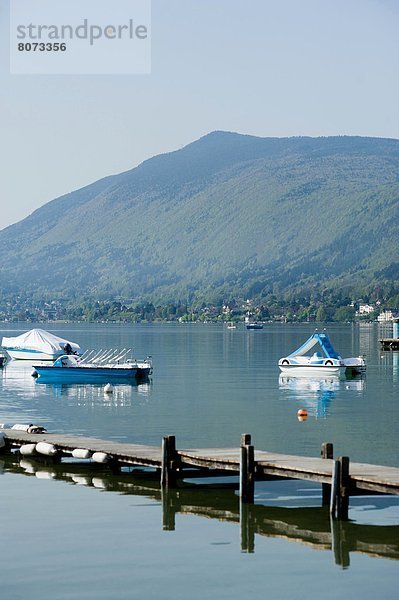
(326, 306)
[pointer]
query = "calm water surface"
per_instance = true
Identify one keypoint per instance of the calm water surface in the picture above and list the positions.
(69, 538)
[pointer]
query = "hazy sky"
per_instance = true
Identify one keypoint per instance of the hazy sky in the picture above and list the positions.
(264, 67)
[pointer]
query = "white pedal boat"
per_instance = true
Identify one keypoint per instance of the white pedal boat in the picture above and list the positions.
(327, 362)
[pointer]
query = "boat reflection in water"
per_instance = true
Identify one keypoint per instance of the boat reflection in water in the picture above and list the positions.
(309, 525)
(316, 393)
(91, 394)
(17, 376)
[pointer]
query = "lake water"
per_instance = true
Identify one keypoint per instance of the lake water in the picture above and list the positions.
(69, 533)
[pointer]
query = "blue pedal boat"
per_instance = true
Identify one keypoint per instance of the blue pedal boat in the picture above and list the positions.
(327, 362)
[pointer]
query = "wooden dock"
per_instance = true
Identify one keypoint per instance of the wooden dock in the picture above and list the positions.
(339, 478)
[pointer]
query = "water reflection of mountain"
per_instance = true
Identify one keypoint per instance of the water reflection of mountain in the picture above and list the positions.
(317, 393)
(309, 525)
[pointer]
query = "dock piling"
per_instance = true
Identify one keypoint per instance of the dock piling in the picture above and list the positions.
(169, 462)
(327, 452)
(247, 470)
(343, 507)
(339, 504)
(245, 439)
(335, 478)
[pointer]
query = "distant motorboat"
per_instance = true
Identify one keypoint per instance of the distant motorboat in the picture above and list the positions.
(38, 344)
(102, 367)
(254, 325)
(231, 325)
(329, 362)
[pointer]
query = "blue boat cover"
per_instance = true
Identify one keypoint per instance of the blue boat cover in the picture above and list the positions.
(317, 338)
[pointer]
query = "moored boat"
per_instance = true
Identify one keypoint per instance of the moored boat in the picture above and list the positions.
(38, 344)
(254, 325)
(326, 362)
(250, 324)
(106, 366)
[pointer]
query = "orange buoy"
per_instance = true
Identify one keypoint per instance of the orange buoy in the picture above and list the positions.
(302, 414)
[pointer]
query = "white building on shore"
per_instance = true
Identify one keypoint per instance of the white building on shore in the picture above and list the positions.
(385, 317)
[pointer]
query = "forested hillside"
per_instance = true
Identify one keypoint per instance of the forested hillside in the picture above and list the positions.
(228, 214)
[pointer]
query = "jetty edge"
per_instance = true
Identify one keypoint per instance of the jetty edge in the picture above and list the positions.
(339, 477)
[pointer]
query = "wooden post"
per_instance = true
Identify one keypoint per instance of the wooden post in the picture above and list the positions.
(335, 478)
(247, 471)
(168, 469)
(327, 451)
(343, 506)
(245, 439)
(339, 505)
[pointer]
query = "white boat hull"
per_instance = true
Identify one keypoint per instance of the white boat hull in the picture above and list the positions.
(303, 370)
(17, 354)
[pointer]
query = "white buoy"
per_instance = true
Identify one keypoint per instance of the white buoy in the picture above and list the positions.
(27, 466)
(45, 448)
(81, 453)
(45, 474)
(99, 483)
(27, 449)
(108, 389)
(80, 480)
(100, 457)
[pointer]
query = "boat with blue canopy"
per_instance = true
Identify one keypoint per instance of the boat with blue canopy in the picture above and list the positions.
(327, 362)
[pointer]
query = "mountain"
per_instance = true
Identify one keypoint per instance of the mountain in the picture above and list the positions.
(228, 213)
